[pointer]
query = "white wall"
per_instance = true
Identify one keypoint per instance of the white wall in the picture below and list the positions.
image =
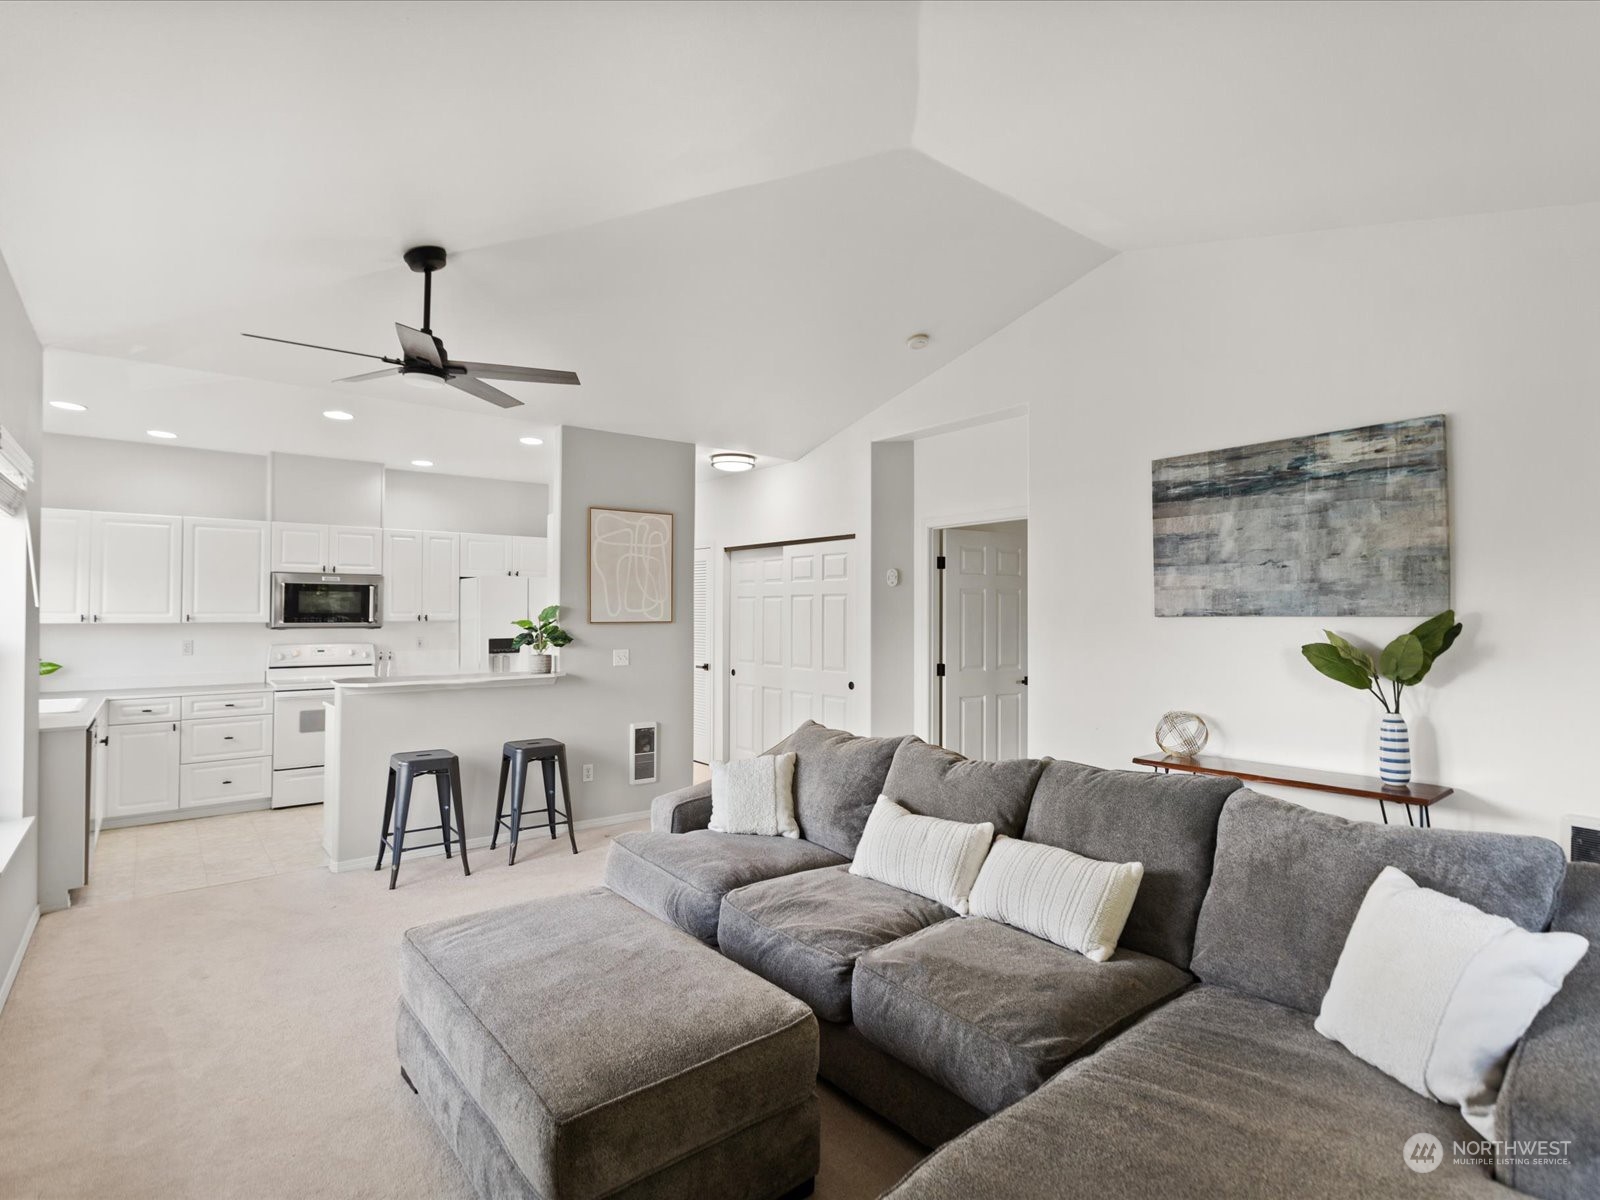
(424, 500)
(1490, 320)
(114, 476)
(21, 406)
(599, 701)
(310, 490)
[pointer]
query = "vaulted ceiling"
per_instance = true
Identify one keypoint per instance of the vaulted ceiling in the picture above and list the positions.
(726, 217)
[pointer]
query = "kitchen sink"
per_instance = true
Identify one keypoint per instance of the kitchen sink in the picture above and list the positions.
(61, 704)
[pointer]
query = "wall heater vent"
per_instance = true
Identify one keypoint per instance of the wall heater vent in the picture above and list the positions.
(1583, 839)
(642, 740)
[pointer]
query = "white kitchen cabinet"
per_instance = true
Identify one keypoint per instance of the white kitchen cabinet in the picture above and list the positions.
(299, 547)
(136, 569)
(204, 784)
(65, 539)
(142, 769)
(216, 738)
(225, 575)
(530, 556)
(441, 577)
(422, 576)
(312, 549)
(485, 554)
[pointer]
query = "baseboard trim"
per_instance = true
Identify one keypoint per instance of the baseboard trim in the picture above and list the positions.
(16, 959)
(477, 843)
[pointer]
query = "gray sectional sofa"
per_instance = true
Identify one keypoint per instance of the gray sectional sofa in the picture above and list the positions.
(1186, 1065)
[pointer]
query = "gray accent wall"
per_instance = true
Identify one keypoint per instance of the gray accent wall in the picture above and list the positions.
(893, 545)
(599, 701)
(426, 500)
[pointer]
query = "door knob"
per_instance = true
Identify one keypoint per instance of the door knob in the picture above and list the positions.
(1023, 681)
(702, 666)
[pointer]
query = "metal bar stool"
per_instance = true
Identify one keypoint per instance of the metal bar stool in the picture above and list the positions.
(515, 759)
(403, 771)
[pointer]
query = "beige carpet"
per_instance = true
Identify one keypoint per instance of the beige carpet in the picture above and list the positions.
(238, 1041)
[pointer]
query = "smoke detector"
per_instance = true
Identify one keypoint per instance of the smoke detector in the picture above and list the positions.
(917, 341)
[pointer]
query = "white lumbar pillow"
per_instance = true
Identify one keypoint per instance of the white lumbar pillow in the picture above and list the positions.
(754, 795)
(926, 855)
(1065, 898)
(1437, 993)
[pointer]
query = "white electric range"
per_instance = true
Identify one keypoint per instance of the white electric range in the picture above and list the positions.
(301, 678)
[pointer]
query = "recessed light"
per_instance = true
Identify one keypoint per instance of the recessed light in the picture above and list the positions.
(422, 462)
(160, 433)
(531, 441)
(733, 462)
(917, 341)
(334, 414)
(67, 406)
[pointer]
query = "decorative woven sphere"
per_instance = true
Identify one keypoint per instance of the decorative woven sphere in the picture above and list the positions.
(1181, 733)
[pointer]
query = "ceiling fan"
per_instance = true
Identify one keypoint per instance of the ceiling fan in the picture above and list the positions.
(423, 359)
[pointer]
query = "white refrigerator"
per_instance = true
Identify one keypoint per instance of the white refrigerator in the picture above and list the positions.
(489, 605)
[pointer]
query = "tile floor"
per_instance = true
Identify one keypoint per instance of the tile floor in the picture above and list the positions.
(176, 856)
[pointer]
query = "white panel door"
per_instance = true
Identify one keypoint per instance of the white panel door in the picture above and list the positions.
(225, 576)
(485, 554)
(142, 769)
(530, 556)
(136, 572)
(355, 549)
(791, 643)
(702, 655)
(65, 539)
(441, 577)
(985, 646)
(300, 547)
(402, 575)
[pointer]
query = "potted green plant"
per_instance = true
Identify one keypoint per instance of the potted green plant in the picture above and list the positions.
(538, 637)
(1403, 663)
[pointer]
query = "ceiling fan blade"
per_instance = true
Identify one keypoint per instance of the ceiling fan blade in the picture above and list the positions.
(476, 387)
(261, 337)
(369, 375)
(419, 346)
(525, 374)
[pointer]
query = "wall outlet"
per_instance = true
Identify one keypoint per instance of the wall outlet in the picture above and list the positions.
(188, 645)
(619, 658)
(588, 772)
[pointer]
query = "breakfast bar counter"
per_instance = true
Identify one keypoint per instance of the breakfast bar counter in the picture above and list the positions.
(472, 716)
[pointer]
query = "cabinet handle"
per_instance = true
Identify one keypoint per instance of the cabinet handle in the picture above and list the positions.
(227, 783)
(227, 706)
(97, 616)
(424, 616)
(147, 710)
(83, 616)
(228, 737)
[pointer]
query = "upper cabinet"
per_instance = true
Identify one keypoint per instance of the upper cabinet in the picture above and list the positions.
(135, 569)
(485, 554)
(441, 577)
(530, 556)
(312, 549)
(225, 575)
(64, 547)
(422, 579)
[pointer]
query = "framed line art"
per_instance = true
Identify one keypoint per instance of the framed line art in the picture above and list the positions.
(630, 567)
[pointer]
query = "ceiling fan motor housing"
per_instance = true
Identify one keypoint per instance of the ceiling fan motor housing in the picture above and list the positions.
(425, 258)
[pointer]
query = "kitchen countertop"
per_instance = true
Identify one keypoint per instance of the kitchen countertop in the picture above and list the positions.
(437, 683)
(94, 699)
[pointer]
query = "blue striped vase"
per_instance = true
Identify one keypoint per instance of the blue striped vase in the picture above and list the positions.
(1394, 750)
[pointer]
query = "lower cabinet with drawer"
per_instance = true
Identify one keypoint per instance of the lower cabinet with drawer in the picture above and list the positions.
(207, 783)
(226, 737)
(172, 755)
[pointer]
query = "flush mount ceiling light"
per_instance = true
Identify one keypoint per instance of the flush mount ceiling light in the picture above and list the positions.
(422, 462)
(531, 441)
(67, 406)
(160, 433)
(421, 379)
(335, 414)
(917, 341)
(733, 462)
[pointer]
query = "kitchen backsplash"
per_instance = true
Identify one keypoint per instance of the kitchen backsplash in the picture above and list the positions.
(118, 656)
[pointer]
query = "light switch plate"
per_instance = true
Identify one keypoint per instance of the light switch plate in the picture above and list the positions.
(188, 645)
(619, 658)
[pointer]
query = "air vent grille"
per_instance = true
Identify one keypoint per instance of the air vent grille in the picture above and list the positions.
(642, 753)
(1585, 844)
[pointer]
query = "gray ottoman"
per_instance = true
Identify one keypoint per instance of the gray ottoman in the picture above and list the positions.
(577, 1047)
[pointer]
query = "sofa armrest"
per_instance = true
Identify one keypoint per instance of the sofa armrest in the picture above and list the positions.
(1552, 1087)
(683, 810)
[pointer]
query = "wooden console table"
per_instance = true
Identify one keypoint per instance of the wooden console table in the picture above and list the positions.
(1420, 796)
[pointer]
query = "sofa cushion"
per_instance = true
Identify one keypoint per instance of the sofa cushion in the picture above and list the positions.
(1214, 1094)
(682, 877)
(837, 779)
(992, 1012)
(1288, 883)
(1166, 822)
(934, 782)
(804, 932)
(600, 1044)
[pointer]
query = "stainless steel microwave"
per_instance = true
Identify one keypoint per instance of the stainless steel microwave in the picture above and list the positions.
(310, 599)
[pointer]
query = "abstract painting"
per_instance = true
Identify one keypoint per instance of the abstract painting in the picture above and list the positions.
(1348, 524)
(630, 566)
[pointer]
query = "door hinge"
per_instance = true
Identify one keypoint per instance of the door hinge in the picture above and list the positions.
(939, 670)
(938, 563)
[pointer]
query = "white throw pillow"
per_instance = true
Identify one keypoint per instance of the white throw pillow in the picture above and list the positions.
(1073, 901)
(926, 855)
(754, 795)
(1437, 993)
